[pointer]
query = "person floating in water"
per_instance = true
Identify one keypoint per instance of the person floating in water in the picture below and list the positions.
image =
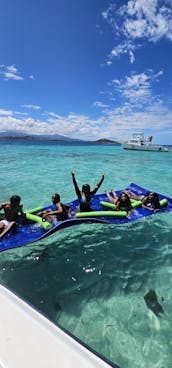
(61, 211)
(122, 201)
(12, 210)
(150, 201)
(85, 195)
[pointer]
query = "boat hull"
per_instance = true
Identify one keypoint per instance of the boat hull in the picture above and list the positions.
(137, 147)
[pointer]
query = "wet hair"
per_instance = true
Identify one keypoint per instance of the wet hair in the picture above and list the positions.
(126, 203)
(154, 199)
(15, 200)
(56, 198)
(86, 188)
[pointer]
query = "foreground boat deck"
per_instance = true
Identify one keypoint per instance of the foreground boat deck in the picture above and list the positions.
(28, 339)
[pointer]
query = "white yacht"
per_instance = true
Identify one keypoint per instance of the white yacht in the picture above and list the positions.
(138, 142)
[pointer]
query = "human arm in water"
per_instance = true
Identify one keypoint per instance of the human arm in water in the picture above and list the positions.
(77, 190)
(98, 185)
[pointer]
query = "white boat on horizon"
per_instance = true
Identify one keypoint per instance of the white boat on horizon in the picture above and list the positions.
(138, 142)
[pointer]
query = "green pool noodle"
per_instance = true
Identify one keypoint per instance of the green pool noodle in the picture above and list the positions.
(163, 202)
(46, 225)
(35, 210)
(108, 205)
(117, 214)
(134, 204)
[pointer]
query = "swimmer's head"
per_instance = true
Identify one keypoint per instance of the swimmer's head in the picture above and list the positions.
(15, 200)
(55, 198)
(86, 188)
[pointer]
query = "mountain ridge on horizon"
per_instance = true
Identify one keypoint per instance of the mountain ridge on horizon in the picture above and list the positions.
(19, 135)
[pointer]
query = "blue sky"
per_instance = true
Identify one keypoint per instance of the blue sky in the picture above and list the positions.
(86, 69)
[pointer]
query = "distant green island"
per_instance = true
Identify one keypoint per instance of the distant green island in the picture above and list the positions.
(57, 139)
(107, 141)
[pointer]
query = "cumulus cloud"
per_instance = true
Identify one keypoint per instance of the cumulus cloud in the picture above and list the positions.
(116, 123)
(139, 20)
(10, 72)
(137, 88)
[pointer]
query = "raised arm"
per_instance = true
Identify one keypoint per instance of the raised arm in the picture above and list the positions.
(78, 193)
(98, 185)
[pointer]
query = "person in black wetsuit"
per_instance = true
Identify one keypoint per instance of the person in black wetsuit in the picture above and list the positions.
(85, 195)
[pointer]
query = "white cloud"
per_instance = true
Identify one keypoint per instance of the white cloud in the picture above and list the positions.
(99, 104)
(4, 112)
(109, 62)
(139, 20)
(116, 123)
(139, 109)
(10, 72)
(137, 88)
(52, 114)
(126, 47)
(33, 107)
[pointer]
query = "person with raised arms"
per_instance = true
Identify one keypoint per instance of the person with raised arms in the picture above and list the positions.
(85, 194)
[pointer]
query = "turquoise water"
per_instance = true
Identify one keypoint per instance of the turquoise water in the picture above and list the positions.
(92, 279)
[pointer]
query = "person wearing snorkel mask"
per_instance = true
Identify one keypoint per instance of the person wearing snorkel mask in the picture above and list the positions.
(85, 195)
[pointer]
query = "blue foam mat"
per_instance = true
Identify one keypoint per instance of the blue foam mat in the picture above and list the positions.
(31, 232)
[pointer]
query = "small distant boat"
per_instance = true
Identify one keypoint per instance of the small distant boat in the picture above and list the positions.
(138, 142)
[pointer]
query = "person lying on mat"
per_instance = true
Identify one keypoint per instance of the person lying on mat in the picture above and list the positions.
(85, 195)
(122, 202)
(150, 201)
(60, 213)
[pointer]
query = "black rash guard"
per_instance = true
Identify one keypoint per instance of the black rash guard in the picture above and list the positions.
(85, 199)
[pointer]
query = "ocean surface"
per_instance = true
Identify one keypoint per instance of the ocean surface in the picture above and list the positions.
(92, 278)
